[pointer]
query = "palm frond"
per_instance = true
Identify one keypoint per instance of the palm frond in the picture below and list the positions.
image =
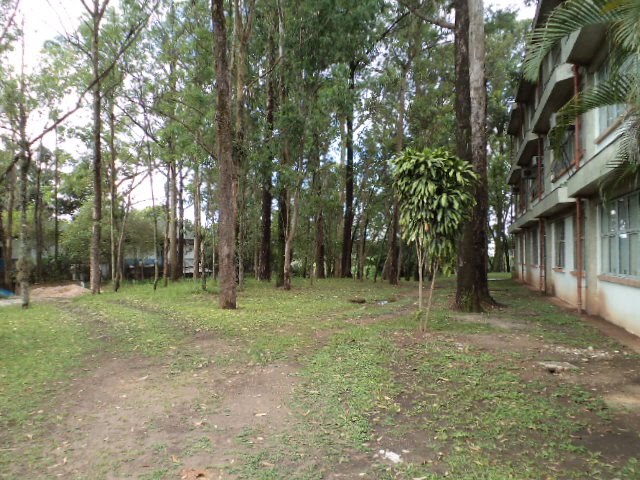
(569, 17)
(628, 152)
(613, 91)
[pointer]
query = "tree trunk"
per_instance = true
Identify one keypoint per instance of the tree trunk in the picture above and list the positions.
(156, 273)
(95, 278)
(8, 242)
(38, 210)
(472, 284)
(24, 264)
(180, 259)
(228, 169)
(347, 240)
(320, 254)
(197, 234)
(113, 193)
(167, 242)
(292, 223)
(3, 236)
(120, 248)
(267, 196)
(362, 250)
(56, 205)
(173, 219)
(265, 238)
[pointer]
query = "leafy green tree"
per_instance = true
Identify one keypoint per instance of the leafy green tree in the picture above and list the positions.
(434, 190)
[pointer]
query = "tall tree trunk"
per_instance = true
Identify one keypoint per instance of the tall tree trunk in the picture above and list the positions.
(320, 271)
(8, 241)
(283, 215)
(113, 227)
(347, 240)
(56, 204)
(39, 223)
(173, 217)
(267, 196)
(292, 223)
(472, 284)
(120, 248)
(180, 259)
(362, 249)
(156, 273)
(197, 234)
(228, 169)
(95, 277)
(394, 241)
(3, 235)
(265, 238)
(24, 264)
(166, 250)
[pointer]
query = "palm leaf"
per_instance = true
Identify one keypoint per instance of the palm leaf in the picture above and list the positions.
(569, 17)
(612, 91)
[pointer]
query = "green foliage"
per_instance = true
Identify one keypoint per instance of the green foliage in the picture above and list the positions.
(434, 189)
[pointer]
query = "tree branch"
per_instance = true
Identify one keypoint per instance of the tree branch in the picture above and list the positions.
(433, 21)
(6, 28)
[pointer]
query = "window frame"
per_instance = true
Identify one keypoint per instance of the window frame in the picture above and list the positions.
(560, 243)
(619, 233)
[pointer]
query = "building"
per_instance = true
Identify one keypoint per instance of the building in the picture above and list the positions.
(577, 233)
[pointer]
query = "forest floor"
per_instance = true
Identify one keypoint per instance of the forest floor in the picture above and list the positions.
(325, 381)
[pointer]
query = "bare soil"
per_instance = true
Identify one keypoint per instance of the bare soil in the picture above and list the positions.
(136, 417)
(67, 290)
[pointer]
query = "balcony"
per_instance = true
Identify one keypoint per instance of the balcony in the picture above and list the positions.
(581, 47)
(515, 119)
(563, 161)
(514, 176)
(556, 201)
(527, 148)
(557, 91)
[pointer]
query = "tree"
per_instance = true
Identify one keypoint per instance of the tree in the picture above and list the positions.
(434, 191)
(472, 289)
(228, 193)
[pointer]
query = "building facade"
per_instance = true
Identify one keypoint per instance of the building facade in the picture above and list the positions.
(576, 226)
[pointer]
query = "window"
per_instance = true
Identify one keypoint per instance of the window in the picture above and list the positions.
(558, 230)
(575, 241)
(609, 114)
(534, 246)
(620, 233)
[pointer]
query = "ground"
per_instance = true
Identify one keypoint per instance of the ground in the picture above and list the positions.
(330, 380)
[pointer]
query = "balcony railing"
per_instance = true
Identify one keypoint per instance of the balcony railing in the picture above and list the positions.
(563, 162)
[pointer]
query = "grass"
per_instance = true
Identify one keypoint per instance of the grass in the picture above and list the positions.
(364, 375)
(40, 348)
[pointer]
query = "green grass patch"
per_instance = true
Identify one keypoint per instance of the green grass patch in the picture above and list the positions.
(40, 348)
(346, 383)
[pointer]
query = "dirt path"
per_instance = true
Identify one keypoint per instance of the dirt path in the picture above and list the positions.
(130, 417)
(159, 417)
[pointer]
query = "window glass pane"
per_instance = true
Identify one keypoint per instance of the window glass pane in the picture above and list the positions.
(613, 217)
(613, 255)
(634, 253)
(605, 254)
(623, 214)
(625, 268)
(634, 211)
